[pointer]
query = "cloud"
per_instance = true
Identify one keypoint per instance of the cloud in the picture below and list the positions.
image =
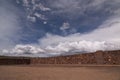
(62, 48)
(31, 7)
(104, 37)
(78, 46)
(40, 7)
(40, 16)
(31, 18)
(80, 7)
(65, 26)
(26, 49)
(9, 25)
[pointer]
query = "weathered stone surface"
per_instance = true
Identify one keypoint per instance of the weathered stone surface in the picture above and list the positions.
(7, 61)
(99, 57)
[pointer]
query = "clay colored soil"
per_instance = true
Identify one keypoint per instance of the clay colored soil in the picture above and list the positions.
(59, 73)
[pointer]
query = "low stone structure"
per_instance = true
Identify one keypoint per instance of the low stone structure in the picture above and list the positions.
(14, 61)
(99, 57)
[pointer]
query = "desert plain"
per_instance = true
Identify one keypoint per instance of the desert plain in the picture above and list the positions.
(33, 72)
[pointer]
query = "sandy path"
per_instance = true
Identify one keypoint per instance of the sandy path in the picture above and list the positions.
(59, 73)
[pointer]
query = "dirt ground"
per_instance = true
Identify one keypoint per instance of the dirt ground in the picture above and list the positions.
(59, 73)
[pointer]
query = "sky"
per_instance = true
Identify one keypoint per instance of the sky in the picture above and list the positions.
(44, 28)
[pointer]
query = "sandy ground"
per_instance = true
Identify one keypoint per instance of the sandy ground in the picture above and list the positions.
(59, 73)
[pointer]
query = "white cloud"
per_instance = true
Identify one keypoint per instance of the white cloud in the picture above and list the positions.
(9, 25)
(40, 16)
(40, 7)
(101, 39)
(26, 3)
(31, 18)
(45, 22)
(78, 46)
(71, 8)
(65, 26)
(105, 37)
(26, 49)
(32, 6)
(23, 50)
(62, 48)
(108, 31)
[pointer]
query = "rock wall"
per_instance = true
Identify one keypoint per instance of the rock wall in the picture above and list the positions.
(14, 61)
(99, 57)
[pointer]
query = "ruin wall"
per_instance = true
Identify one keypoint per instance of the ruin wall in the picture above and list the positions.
(99, 57)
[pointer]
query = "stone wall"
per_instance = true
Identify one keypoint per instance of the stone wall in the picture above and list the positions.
(15, 61)
(99, 57)
(111, 57)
